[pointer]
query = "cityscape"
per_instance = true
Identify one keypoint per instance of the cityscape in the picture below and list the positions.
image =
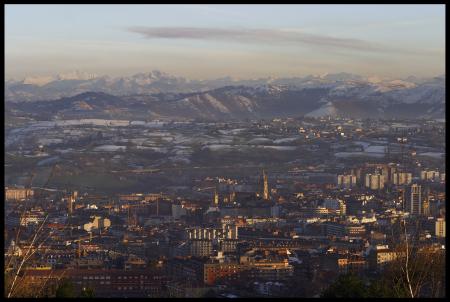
(171, 179)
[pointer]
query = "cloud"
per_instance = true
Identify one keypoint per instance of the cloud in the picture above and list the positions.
(272, 36)
(276, 37)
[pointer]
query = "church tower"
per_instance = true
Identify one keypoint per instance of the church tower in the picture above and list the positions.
(216, 198)
(266, 186)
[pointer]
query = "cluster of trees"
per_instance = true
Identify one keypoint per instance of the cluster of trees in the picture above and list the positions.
(66, 289)
(420, 275)
(62, 288)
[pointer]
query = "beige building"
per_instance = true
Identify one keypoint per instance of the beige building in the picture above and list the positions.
(375, 181)
(440, 228)
(346, 181)
(18, 194)
(97, 224)
(429, 175)
(401, 178)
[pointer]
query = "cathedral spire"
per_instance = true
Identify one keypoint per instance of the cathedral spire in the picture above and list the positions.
(266, 186)
(216, 198)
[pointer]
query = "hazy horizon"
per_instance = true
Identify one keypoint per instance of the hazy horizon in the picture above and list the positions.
(214, 41)
(128, 74)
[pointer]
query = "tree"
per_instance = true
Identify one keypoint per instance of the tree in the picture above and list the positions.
(209, 294)
(380, 289)
(36, 240)
(87, 293)
(346, 286)
(65, 290)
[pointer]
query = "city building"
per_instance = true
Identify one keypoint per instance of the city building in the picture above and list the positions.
(413, 199)
(98, 223)
(18, 193)
(401, 178)
(346, 181)
(374, 181)
(440, 228)
(429, 175)
(355, 264)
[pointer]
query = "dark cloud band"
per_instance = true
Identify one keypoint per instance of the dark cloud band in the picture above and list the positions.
(255, 36)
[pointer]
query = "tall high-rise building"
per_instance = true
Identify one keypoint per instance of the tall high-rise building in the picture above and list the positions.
(401, 178)
(346, 181)
(374, 181)
(429, 175)
(266, 186)
(413, 199)
(440, 228)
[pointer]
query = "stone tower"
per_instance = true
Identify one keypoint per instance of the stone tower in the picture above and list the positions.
(266, 186)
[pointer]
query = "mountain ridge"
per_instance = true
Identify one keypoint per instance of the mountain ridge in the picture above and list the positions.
(71, 84)
(242, 102)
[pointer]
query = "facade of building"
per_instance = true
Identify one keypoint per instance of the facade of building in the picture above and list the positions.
(346, 181)
(200, 247)
(18, 194)
(380, 256)
(374, 181)
(401, 178)
(355, 265)
(98, 223)
(261, 270)
(440, 228)
(226, 232)
(106, 283)
(413, 199)
(429, 175)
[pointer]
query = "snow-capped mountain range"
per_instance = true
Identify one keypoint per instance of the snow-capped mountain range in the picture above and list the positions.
(314, 95)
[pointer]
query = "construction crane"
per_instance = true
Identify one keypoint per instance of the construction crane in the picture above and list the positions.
(204, 189)
(130, 208)
(32, 176)
(51, 175)
(81, 239)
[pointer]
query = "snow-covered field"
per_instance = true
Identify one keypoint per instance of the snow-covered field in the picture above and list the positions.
(433, 154)
(375, 149)
(286, 140)
(353, 154)
(232, 131)
(259, 140)
(110, 148)
(219, 147)
(50, 141)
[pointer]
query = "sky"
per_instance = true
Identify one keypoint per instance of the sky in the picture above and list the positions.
(213, 41)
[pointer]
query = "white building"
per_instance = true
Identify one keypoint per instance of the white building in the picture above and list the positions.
(98, 223)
